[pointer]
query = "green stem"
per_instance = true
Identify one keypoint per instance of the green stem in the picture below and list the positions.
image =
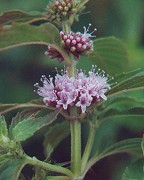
(66, 27)
(75, 125)
(72, 68)
(72, 146)
(88, 148)
(76, 148)
(58, 178)
(55, 168)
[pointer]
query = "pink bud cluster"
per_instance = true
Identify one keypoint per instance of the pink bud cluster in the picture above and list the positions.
(61, 10)
(53, 53)
(80, 91)
(74, 43)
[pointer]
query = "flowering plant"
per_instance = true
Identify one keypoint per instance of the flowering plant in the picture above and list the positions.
(79, 91)
(86, 101)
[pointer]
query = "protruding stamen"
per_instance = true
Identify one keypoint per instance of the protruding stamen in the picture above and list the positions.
(93, 32)
(87, 30)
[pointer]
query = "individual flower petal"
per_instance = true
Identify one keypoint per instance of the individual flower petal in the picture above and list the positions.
(84, 101)
(65, 99)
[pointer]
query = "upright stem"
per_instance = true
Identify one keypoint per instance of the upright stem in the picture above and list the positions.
(66, 27)
(72, 68)
(75, 129)
(88, 148)
(76, 148)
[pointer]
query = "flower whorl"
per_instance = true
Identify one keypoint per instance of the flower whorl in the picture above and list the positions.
(73, 43)
(80, 91)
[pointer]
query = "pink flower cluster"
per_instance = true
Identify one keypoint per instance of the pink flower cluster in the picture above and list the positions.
(80, 91)
(74, 43)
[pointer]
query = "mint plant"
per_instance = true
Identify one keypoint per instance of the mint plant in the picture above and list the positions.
(83, 99)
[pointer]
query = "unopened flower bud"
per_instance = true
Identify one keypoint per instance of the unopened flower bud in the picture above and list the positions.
(77, 43)
(66, 9)
(62, 9)
(72, 49)
(73, 43)
(63, 4)
(69, 5)
(57, 3)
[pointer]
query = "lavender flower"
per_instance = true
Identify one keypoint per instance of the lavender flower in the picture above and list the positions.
(74, 43)
(81, 91)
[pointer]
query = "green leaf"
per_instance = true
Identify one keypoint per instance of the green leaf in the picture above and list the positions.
(26, 114)
(142, 145)
(126, 75)
(136, 111)
(4, 139)
(110, 54)
(29, 126)
(3, 127)
(134, 83)
(10, 17)
(26, 34)
(4, 157)
(125, 146)
(122, 102)
(134, 172)
(121, 109)
(129, 146)
(54, 136)
(11, 169)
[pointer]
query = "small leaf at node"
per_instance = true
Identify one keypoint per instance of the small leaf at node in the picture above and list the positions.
(3, 127)
(26, 128)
